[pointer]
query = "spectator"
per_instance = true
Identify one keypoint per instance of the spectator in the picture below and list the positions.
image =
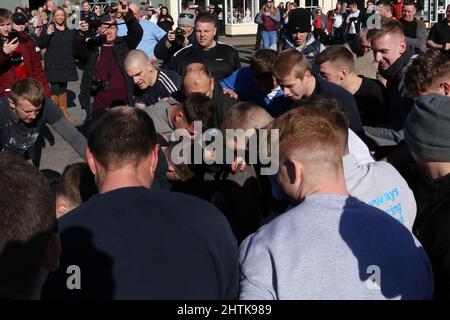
(393, 56)
(23, 116)
(439, 36)
(338, 23)
(221, 59)
(336, 65)
(295, 77)
(176, 40)
(60, 64)
(76, 185)
(29, 245)
(415, 30)
(104, 76)
(288, 257)
(385, 9)
(397, 6)
(299, 36)
(18, 58)
(352, 24)
(152, 84)
(320, 24)
(268, 17)
(165, 20)
(203, 251)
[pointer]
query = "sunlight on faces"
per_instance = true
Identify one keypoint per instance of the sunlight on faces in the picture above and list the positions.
(387, 49)
(187, 30)
(140, 72)
(59, 17)
(5, 28)
(24, 110)
(330, 71)
(198, 82)
(205, 32)
(299, 37)
(110, 31)
(293, 87)
(409, 12)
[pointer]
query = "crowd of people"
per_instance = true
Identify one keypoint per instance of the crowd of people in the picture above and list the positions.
(355, 120)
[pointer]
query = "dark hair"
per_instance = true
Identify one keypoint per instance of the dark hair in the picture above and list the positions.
(122, 135)
(385, 3)
(410, 3)
(262, 61)
(27, 219)
(197, 107)
(5, 15)
(425, 71)
(77, 183)
(205, 17)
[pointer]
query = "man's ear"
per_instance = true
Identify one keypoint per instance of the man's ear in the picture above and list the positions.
(154, 157)
(403, 46)
(446, 87)
(215, 30)
(51, 261)
(179, 115)
(343, 72)
(91, 161)
(12, 105)
(62, 206)
(294, 170)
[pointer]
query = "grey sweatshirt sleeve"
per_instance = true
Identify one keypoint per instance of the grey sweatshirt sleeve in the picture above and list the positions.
(384, 136)
(420, 41)
(71, 135)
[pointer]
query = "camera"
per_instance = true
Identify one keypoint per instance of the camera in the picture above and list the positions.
(99, 85)
(93, 21)
(179, 37)
(16, 59)
(13, 34)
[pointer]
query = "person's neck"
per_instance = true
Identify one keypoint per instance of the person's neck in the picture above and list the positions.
(352, 83)
(436, 170)
(125, 176)
(212, 45)
(328, 185)
(311, 86)
(60, 27)
(153, 75)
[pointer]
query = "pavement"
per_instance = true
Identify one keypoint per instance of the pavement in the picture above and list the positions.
(57, 153)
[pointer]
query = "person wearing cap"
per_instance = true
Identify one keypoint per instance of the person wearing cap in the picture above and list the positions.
(427, 135)
(170, 43)
(104, 77)
(220, 58)
(60, 65)
(299, 36)
(18, 57)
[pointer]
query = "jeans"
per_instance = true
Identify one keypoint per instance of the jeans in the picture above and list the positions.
(269, 39)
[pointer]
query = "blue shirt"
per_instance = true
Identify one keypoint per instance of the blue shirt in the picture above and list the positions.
(241, 81)
(152, 34)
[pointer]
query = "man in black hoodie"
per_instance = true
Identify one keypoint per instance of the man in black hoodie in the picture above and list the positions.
(393, 56)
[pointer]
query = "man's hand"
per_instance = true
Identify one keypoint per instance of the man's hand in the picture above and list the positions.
(50, 29)
(230, 93)
(10, 46)
(238, 164)
(446, 46)
(84, 26)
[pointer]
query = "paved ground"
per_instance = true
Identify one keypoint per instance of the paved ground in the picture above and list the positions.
(57, 154)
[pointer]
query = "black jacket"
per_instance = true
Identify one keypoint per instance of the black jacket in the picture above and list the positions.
(60, 65)
(432, 228)
(87, 51)
(165, 50)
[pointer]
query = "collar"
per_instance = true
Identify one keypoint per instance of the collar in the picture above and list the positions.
(398, 65)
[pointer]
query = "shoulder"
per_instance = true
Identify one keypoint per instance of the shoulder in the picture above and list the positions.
(183, 51)
(225, 46)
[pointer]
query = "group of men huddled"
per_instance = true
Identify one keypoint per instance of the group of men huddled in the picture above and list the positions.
(358, 209)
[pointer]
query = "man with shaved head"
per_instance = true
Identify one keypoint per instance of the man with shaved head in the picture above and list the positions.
(151, 85)
(198, 79)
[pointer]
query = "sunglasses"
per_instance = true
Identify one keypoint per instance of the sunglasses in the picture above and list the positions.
(186, 15)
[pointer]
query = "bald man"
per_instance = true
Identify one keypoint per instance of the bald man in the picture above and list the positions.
(151, 85)
(198, 79)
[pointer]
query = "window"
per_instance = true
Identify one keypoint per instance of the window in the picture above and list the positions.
(311, 4)
(240, 11)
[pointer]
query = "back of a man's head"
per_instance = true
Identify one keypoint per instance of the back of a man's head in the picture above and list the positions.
(308, 134)
(262, 61)
(337, 55)
(290, 62)
(197, 107)
(196, 77)
(246, 115)
(122, 136)
(27, 222)
(429, 73)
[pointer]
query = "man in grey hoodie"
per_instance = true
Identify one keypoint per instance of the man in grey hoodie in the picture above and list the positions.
(329, 245)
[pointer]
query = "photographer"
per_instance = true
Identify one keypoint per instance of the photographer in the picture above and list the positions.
(104, 77)
(18, 57)
(177, 39)
(60, 65)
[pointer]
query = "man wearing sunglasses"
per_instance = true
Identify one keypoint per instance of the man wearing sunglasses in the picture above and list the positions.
(221, 59)
(177, 39)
